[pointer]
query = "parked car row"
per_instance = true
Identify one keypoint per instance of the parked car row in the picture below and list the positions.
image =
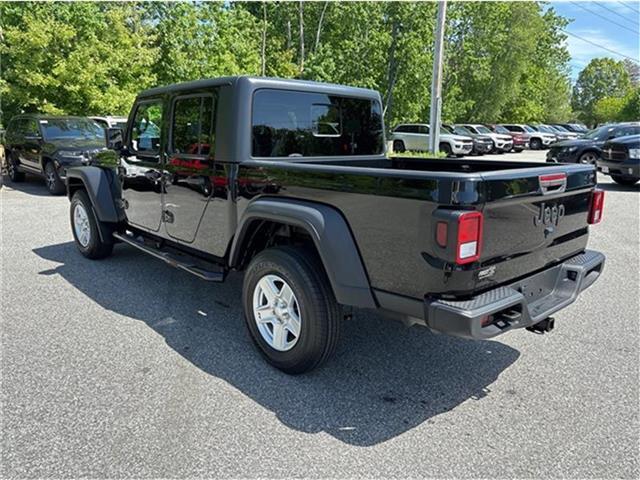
(490, 138)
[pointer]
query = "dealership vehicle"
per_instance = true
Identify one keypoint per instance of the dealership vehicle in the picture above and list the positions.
(501, 142)
(574, 127)
(560, 135)
(307, 204)
(520, 140)
(48, 145)
(621, 159)
(481, 143)
(537, 140)
(415, 136)
(111, 122)
(589, 148)
(563, 133)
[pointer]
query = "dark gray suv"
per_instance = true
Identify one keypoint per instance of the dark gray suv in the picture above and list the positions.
(47, 145)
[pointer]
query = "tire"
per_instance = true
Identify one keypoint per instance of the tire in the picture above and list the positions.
(519, 150)
(398, 146)
(493, 147)
(52, 179)
(318, 313)
(12, 169)
(588, 157)
(626, 181)
(84, 222)
(446, 149)
(535, 144)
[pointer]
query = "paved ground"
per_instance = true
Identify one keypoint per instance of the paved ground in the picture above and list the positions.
(127, 368)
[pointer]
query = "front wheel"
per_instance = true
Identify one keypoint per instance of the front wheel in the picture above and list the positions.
(85, 228)
(446, 149)
(626, 181)
(54, 184)
(588, 157)
(535, 144)
(290, 310)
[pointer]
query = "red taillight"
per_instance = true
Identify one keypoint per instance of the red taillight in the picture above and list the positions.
(469, 237)
(441, 233)
(596, 207)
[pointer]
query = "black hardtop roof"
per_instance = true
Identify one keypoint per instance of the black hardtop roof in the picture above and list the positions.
(263, 82)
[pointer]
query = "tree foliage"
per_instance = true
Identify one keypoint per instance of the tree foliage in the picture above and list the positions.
(503, 60)
(601, 78)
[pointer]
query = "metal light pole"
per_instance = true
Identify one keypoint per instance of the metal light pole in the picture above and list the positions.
(436, 81)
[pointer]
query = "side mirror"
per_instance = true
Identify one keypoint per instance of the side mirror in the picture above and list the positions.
(114, 138)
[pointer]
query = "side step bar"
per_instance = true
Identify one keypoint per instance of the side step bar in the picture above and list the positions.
(208, 275)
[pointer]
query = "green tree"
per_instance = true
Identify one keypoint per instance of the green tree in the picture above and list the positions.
(608, 109)
(77, 58)
(602, 77)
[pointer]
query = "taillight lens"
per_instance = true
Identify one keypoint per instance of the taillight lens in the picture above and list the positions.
(469, 237)
(596, 207)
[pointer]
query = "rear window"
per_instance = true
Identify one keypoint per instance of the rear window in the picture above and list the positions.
(301, 124)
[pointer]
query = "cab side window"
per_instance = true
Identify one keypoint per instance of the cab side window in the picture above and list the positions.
(192, 126)
(145, 130)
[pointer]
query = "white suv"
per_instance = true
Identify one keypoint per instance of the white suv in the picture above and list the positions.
(415, 136)
(537, 140)
(501, 142)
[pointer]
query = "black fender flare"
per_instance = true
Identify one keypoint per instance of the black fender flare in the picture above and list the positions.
(331, 236)
(103, 188)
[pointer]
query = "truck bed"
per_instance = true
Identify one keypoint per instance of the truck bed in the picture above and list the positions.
(391, 206)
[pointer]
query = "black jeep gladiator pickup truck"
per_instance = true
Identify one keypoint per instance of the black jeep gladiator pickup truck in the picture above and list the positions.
(288, 181)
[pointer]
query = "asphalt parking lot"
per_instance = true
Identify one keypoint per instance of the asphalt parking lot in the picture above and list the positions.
(127, 368)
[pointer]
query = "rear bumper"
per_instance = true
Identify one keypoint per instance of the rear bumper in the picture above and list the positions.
(520, 304)
(627, 168)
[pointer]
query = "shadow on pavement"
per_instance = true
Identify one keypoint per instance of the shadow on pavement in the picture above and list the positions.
(31, 185)
(384, 380)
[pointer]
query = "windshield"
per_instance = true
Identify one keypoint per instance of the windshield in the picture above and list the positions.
(544, 128)
(500, 129)
(81, 128)
(462, 131)
(560, 128)
(483, 129)
(444, 130)
(527, 128)
(598, 133)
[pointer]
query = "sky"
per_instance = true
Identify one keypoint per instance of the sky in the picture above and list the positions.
(610, 24)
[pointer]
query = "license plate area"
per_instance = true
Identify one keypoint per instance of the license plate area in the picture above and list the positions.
(538, 286)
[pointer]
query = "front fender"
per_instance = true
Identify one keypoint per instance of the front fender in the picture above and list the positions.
(331, 236)
(103, 188)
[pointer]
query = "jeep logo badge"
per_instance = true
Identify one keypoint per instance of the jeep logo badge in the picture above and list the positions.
(549, 215)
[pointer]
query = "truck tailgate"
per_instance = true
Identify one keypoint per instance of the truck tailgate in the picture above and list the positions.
(533, 218)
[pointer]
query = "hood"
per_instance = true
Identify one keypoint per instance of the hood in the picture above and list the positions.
(458, 138)
(76, 144)
(576, 142)
(501, 136)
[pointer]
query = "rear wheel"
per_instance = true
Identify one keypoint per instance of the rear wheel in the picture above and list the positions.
(446, 149)
(290, 310)
(626, 181)
(535, 144)
(398, 146)
(54, 184)
(588, 157)
(12, 169)
(85, 228)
